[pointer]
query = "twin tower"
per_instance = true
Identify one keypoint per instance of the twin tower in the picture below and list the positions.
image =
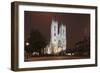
(57, 39)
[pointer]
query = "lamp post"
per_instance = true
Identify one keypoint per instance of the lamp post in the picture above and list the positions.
(27, 44)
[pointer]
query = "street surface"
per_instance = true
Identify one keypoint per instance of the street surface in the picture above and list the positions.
(54, 58)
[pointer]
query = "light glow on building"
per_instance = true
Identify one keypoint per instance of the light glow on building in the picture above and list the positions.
(58, 39)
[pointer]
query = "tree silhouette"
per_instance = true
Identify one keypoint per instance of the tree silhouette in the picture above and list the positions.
(83, 46)
(37, 42)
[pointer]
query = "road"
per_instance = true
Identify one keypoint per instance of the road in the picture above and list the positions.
(54, 58)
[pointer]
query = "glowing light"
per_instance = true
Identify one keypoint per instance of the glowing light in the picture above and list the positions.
(27, 44)
(69, 54)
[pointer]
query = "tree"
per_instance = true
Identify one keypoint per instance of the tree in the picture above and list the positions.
(83, 47)
(37, 41)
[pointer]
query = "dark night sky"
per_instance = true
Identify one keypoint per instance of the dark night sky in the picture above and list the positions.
(77, 25)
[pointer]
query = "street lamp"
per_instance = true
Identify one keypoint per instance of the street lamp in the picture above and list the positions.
(27, 44)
